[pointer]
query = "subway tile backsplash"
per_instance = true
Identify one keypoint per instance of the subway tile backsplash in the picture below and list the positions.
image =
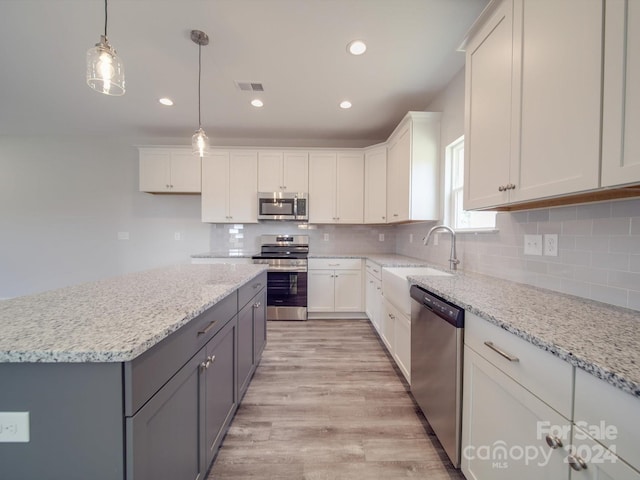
(598, 255)
(342, 239)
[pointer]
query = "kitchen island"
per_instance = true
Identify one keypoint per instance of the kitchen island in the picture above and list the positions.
(131, 377)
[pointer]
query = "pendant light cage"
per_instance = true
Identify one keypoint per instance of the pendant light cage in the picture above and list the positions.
(199, 141)
(105, 70)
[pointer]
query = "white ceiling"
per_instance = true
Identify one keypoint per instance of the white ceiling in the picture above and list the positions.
(296, 48)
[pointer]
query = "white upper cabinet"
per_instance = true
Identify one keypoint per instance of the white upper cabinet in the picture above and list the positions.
(558, 60)
(533, 102)
(336, 187)
(487, 141)
(375, 185)
(283, 171)
(230, 186)
(169, 170)
(412, 168)
(621, 108)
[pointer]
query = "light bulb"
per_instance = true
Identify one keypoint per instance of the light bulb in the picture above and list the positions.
(105, 67)
(105, 72)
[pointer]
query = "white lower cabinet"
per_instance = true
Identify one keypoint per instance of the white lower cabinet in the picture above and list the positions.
(610, 416)
(590, 460)
(396, 336)
(334, 285)
(517, 405)
(505, 427)
(373, 297)
(402, 344)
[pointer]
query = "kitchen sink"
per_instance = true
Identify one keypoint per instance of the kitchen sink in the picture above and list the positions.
(395, 286)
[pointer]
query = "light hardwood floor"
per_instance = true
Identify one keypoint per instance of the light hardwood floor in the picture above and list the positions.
(326, 402)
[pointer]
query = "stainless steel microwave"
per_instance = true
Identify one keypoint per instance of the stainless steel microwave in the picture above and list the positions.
(283, 206)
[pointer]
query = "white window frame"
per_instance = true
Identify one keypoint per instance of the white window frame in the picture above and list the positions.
(454, 214)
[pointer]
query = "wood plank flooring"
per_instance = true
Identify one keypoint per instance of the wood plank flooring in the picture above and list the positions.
(327, 403)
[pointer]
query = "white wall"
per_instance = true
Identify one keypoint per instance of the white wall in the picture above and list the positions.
(599, 254)
(62, 202)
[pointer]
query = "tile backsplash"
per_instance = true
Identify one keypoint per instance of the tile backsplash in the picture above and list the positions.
(340, 238)
(598, 255)
(598, 247)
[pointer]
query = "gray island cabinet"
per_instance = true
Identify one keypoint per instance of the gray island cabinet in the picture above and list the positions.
(158, 410)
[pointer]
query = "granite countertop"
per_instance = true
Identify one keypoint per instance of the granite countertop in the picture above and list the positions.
(116, 319)
(382, 259)
(599, 338)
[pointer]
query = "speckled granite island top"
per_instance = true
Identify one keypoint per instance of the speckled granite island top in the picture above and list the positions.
(603, 340)
(116, 319)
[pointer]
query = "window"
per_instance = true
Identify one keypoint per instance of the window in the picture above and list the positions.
(458, 218)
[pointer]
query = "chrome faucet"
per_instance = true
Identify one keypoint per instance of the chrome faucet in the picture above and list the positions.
(453, 261)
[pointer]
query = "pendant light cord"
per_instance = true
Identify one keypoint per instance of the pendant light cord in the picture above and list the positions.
(105, 18)
(199, 76)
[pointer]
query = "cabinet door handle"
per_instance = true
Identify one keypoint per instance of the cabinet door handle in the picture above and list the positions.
(257, 285)
(511, 186)
(576, 462)
(501, 352)
(395, 214)
(553, 441)
(501, 188)
(257, 305)
(206, 364)
(206, 330)
(392, 317)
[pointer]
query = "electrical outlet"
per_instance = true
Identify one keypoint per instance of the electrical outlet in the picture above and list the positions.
(381, 237)
(326, 237)
(411, 238)
(550, 242)
(177, 236)
(533, 244)
(123, 235)
(14, 427)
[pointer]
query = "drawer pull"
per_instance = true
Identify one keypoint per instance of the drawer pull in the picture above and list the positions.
(257, 305)
(207, 364)
(501, 352)
(206, 330)
(334, 264)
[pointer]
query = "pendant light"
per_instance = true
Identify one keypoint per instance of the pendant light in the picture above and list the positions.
(199, 141)
(105, 71)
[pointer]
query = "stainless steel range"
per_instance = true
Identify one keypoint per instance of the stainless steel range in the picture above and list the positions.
(286, 256)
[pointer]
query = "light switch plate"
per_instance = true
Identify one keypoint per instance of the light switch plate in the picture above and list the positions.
(326, 237)
(381, 237)
(533, 244)
(123, 235)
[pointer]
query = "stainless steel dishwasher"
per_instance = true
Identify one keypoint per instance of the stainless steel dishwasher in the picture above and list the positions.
(437, 329)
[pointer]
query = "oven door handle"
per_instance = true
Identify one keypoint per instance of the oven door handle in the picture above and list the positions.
(288, 269)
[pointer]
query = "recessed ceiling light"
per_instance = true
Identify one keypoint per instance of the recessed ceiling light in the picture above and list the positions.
(256, 102)
(345, 104)
(357, 47)
(166, 101)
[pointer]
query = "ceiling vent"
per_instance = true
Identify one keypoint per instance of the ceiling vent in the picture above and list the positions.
(250, 86)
